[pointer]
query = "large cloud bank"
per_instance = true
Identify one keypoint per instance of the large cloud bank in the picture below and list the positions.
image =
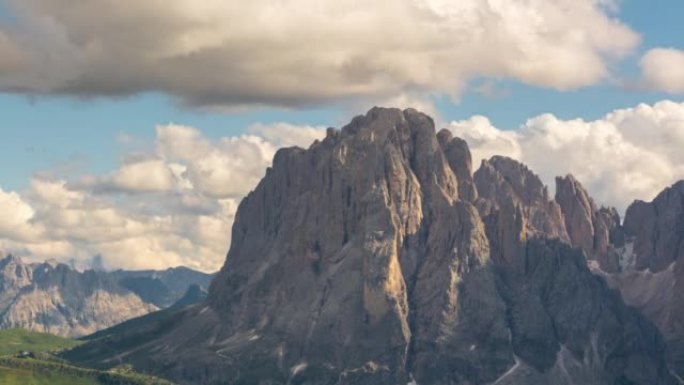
(303, 52)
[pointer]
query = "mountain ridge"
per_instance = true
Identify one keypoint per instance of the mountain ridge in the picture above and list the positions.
(377, 256)
(52, 297)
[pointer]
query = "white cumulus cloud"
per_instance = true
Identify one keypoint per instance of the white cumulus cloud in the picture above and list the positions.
(149, 175)
(628, 154)
(663, 70)
(286, 134)
(172, 206)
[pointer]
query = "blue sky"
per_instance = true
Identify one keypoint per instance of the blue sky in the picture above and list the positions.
(76, 78)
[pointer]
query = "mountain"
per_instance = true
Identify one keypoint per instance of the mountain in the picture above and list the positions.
(651, 275)
(194, 295)
(54, 298)
(377, 256)
(162, 288)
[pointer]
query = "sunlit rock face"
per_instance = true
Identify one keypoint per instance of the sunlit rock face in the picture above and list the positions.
(376, 257)
(596, 231)
(53, 298)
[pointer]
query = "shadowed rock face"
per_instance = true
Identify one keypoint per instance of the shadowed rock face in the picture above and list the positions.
(593, 230)
(654, 279)
(374, 257)
(658, 228)
(194, 295)
(162, 288)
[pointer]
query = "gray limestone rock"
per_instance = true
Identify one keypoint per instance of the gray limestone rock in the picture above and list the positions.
(589, 228)
(653, 282)
(658, 228)
(53, 298)
(372, 258)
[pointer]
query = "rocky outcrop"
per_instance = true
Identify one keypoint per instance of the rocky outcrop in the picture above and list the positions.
(54, 298)
(374, 257)
(595, 231)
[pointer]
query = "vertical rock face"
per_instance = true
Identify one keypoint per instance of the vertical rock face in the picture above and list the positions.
(589, 228)
(458, 155)
(654, 284)
(658, 228)
(515, 206)
(357, 250)
(374, 257)
(558, 312)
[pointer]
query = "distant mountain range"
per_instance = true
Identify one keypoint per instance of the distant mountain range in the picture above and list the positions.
(55, 298)
(162, 288)
(377, 256)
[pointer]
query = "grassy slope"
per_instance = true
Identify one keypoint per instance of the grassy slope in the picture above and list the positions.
(13, 341)
(103, 345)
(50, 370)
(18, 376)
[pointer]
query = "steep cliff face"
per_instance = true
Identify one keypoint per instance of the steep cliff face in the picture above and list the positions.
(563, 319)
(596, 231)
(374, 257)
(658, 229)
(358, 251)
(653, 278)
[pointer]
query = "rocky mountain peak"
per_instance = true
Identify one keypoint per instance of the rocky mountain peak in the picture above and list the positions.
(502, 176)
(458, 155)
(356, 233)
(9, 258)
(588, 227)
(14, 274)
(515, 206)
(373, 257)
(658, 228)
